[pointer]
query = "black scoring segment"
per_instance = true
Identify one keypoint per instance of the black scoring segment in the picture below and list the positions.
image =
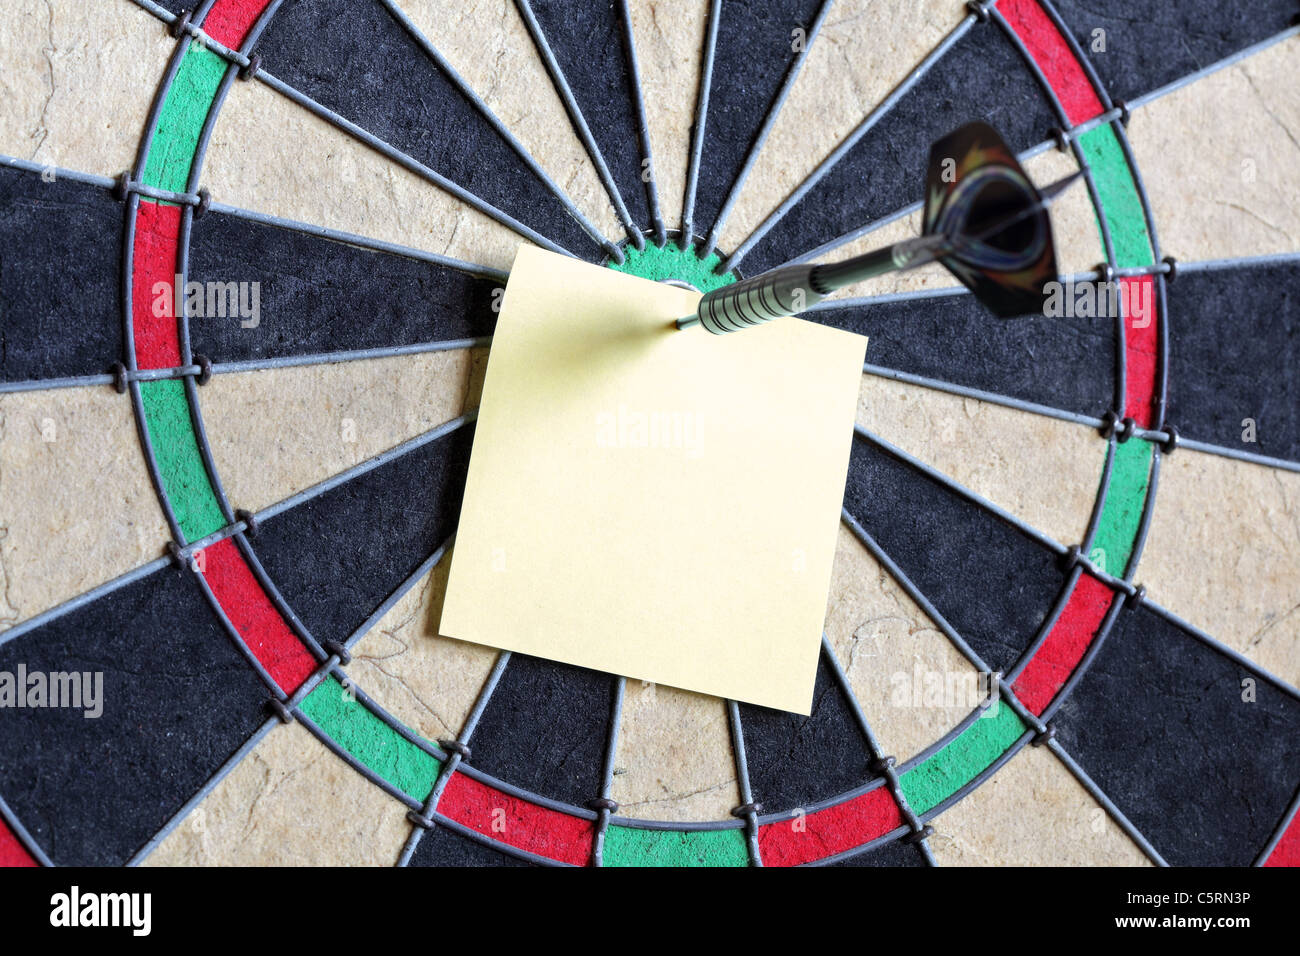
(587, 39)
(60, 277)
(893, 853)
(443, 846)
(1137, 46)
(1234, 363)
(178, 700)
(1065, 362)
(797, 761)
(318, 295)
(546, 729)
(757, 46)
(993, 583)
(981, 75)
(354, 58)
(1195, 749)
(337, 556)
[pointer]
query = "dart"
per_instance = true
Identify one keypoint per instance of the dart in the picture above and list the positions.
(984, 221)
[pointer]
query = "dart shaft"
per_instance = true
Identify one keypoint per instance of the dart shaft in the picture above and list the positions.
(909, 254)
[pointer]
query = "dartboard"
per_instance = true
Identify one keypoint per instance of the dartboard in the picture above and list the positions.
(252, 255)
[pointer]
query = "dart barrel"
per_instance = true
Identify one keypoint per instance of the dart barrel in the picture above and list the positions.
(751, 302)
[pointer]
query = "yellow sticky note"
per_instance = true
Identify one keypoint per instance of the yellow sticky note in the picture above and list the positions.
(655, 503)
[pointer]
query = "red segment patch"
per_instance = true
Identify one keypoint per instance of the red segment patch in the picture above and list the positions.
(824, 833)
(153, 285)
(229, 21)
(12, 852)
(1067, 642)
(1141, 343)
(250, 610)
(1054, 57)
(517, 823)
(1287, 851)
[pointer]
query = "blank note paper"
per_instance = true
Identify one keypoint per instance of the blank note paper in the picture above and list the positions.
(654, 503)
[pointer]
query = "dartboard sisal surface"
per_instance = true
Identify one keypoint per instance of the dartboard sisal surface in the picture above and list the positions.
(242, 522)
